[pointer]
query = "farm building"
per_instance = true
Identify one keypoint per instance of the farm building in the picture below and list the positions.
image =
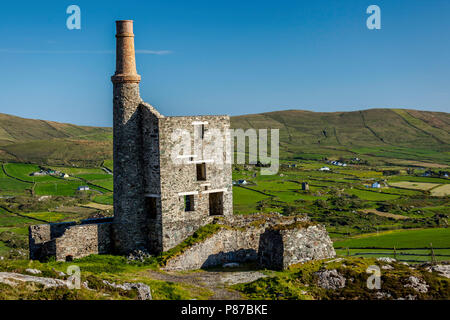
(83, 188)
(38, 173)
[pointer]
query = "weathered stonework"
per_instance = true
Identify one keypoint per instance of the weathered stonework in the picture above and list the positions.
(227, 245)
(274, 243)
(149, 184)
(167, 187)
(69, 240)
(281, 247)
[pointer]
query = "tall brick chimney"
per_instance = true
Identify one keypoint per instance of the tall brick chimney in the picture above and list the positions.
(125, 54)
(129, 230)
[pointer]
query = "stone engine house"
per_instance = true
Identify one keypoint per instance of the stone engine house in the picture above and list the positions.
(163, 195)
(159, 200)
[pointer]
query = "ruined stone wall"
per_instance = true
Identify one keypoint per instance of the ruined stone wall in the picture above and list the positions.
(82, 240)
(273, 247)
(91, 236)
(227, 245)
(179, 175)
(279, 248)
(40, 235)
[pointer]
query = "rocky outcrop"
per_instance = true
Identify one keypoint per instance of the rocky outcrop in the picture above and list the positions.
(442, 269)
(143, 290)
(330, 279)
(417, 284)
(12, 279)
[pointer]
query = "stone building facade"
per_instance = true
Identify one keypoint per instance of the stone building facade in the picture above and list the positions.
(172, 175)
(160, 198)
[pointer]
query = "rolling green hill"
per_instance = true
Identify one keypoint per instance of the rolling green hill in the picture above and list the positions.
(386, 136)
(49, 142)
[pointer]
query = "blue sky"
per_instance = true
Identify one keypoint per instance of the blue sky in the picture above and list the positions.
(225, 57)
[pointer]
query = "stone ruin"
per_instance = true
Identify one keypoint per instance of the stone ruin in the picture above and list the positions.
(160, 200)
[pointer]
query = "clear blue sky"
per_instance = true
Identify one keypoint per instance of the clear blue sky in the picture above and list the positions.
(232, 57)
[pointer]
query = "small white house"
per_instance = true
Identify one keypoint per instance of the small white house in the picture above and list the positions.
(38, 173)
(376, 185)
(83, 188)
(324, 169)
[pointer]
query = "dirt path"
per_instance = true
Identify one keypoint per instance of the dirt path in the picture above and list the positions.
(215, 281)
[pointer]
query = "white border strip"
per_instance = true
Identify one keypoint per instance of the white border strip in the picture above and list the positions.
(202, 161)
(187, 193)
(187, 156)
(224, 190)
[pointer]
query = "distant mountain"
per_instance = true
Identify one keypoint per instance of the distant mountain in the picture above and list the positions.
(42, 141)
(379, 135)
(376, 133)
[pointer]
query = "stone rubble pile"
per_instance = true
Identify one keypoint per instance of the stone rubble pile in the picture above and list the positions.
(330, 279)
(144, 292)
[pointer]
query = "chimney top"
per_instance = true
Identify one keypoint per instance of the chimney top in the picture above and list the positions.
(125, 54)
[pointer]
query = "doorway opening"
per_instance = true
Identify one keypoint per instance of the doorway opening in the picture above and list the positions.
(216, 204)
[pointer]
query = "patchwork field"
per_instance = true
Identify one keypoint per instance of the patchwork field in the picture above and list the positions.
(414, 185)
(404, 245)
(441, 191)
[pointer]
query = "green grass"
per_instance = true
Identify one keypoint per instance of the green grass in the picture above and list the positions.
(49, 216)
(439, 237)
(10, 186)
(9, 220)
(105, 183)
(64, 188)
(95, 176)
(104, 199)
(3, 249)
(371, 195)
(418, 179)
(400, 255)
(108, 164)
(78, 171)
(245, 201)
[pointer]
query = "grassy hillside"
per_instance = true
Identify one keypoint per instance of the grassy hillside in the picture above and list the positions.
(382, 136)
(379, 134)
(49, 142)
